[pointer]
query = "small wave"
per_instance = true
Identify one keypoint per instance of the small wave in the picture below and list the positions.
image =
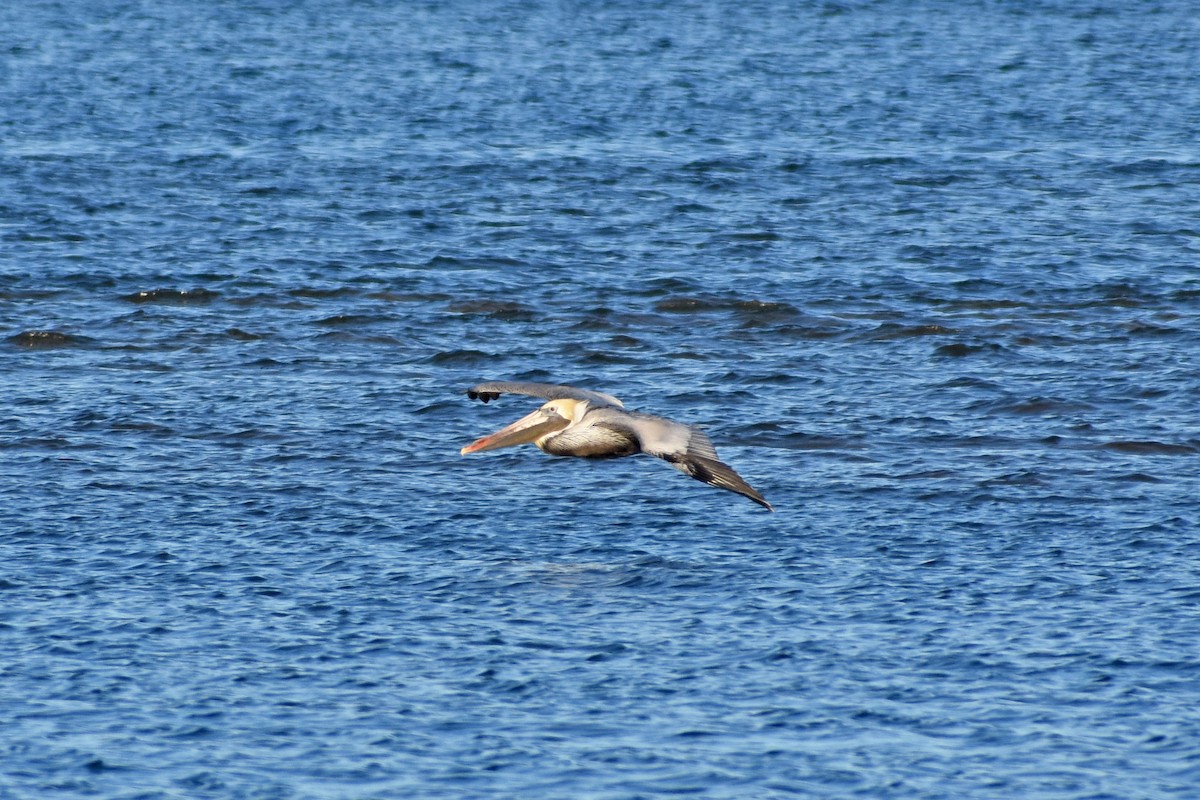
(321, 293)
(343, 335)
(1031, 405)
(243, 336)
(933, 181)
(755, 236)
(1136, 477)
(487, 262)
(1143, 328)
(707, 165)
(968, 382)
(692, 304)
(141, 426)
(1151, 448)
(962, 349)
(184, 297)
(589, 356)
(389, 296)
(351, 320)
(46, 339)
(880, 161)
(830, 330)
(693, 208)
(37, 442)
(928, 474)
(460, 357)
(769, 435)
(498, 309)
(890, 331)
(1020, 478)
(1152, 166)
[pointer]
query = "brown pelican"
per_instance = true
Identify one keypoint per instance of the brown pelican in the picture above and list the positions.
(578, 422)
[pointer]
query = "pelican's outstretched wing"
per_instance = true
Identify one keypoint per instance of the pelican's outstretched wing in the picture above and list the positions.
(685, 448)
(493, 389)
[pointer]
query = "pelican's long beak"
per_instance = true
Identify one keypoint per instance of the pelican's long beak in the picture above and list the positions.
(526, 429)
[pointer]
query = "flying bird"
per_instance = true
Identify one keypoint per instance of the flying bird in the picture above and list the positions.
(587, 424)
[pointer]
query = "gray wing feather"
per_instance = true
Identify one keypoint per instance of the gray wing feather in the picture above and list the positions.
(490, 390)
(688, 450)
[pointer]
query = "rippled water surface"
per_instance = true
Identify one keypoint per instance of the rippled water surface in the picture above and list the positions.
(925, 271)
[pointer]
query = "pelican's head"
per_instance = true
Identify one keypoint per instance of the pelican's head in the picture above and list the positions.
(551, 418)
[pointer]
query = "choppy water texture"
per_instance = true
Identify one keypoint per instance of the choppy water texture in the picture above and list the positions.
(926, 271)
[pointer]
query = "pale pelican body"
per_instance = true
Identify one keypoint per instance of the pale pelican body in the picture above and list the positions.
(578, 422)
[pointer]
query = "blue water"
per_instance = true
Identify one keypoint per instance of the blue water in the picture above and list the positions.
(927, 272)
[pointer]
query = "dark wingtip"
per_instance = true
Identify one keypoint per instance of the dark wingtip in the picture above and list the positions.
(753, 495)
(486, 397)
(718, 474)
